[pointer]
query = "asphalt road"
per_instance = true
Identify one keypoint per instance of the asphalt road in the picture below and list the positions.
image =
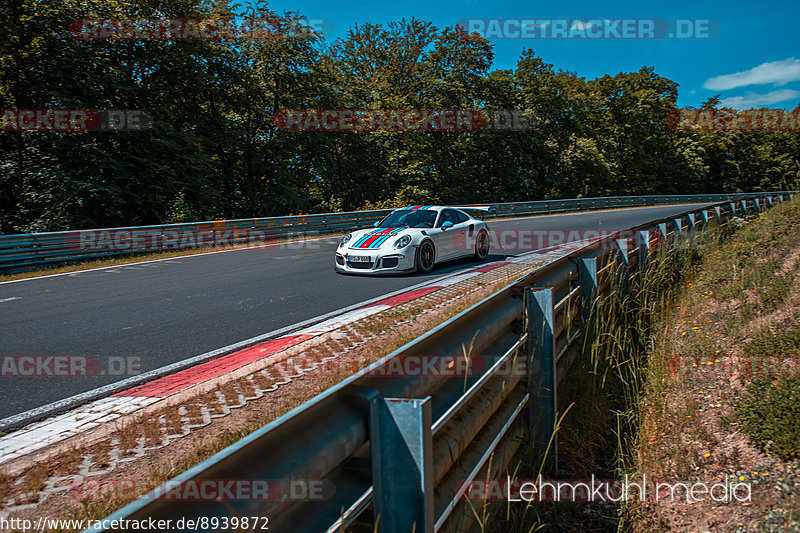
(136, 318)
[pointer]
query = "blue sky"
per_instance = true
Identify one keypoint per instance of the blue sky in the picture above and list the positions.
(753, 61)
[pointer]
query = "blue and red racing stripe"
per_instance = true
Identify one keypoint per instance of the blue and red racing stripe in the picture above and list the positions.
(374, 239)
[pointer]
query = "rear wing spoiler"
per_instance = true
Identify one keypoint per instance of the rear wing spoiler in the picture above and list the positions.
(484, 208)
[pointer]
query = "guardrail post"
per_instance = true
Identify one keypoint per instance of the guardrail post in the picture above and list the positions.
(643, 243)
(542, 376)
(402, 464)
(733, 208)
(692, 221)
(587, 278)
(678, 229)
(758, 205)
(623, 263)
(744, 207)
(662, 227)
(718, 210)
(704, 214)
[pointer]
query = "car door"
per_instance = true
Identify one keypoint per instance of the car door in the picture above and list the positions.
(463, 235)
(446, 240)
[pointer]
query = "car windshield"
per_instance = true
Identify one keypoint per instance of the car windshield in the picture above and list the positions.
(412, 218)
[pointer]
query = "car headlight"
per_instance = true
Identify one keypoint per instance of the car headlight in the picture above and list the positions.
(403, 241)
(345, 239)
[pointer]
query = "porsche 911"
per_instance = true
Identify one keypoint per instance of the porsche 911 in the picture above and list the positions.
(415, 238)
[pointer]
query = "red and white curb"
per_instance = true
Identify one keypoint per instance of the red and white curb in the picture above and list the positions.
(97, 413)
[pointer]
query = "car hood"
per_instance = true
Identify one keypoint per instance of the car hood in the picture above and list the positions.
(372, 239)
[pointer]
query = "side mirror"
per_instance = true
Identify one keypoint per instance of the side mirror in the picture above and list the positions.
(375, 224)
(447, 224)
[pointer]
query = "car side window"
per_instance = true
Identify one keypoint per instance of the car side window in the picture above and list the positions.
(461, 217)
(448, 215)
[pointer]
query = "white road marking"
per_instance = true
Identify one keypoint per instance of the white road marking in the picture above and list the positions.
(4, 300)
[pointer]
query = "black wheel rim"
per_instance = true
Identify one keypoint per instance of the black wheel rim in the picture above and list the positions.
(426, 256)
(483, 245)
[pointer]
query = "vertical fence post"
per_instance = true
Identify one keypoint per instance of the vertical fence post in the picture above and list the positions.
(744, 207)
(704, 214)
(733, 208)
(623, 263)
(542, 376)
(643, 243)
(678, 230)
(587, 277)
(662, 226)
(718, 210)
(692, 221)
(402, 464)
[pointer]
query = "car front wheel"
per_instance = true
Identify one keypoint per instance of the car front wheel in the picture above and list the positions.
(426, 256)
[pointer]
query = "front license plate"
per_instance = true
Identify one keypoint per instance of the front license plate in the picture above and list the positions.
(359, 259)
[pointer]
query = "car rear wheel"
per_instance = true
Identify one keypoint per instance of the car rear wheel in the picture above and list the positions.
(426, 256)
(482, 246)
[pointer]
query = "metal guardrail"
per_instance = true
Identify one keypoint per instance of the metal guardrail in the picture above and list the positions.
(394, 453)
(37, 250)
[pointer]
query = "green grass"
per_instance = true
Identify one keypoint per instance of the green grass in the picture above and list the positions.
(602, 392)
(770, 414)
(767, 343)
(742, 287)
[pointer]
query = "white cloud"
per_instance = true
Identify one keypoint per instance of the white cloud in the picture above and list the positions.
(581, 25)
(776, 72)
(759, 100)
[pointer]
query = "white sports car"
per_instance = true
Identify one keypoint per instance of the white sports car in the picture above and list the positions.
(414, 238)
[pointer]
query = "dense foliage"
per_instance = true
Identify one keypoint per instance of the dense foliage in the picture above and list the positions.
(213, 150)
